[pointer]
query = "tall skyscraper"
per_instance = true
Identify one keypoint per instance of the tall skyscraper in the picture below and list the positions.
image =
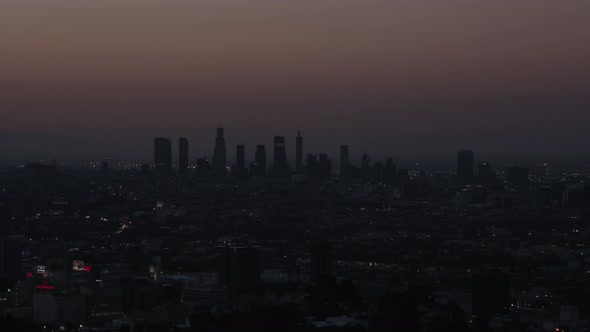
(203, 169)
(344, 161)
(299, 152)
(219, 156)
(390, 171)
(280, 167)
(365, 164)
(239, 269)
(484, 172)
(464, 167)
(241, 156)
(312, 166)
(260, 159)
(325, 167)
(182, 156)
(241, 170)
(163, 155)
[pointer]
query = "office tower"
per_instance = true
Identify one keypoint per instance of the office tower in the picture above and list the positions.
(464, 167)
(365, 164)
(490, 292)
(219, 156)
(203, 168)
(484, 172)
(378, 172)
(344, 171)
(239, 269)
(182, 156)
(241, 170)
(281, 168)
(299, 152)
(390, 171)
(260, 159)
(321, 260)
(312, 167)
(163, 155)
(312, 163)
(10, 259)
(517, 175)
(325, 167)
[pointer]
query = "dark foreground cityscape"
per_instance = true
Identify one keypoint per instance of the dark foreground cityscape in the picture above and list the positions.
(277, 245)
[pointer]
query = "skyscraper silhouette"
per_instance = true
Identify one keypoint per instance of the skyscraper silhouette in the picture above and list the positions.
(365, 164)
(260, 159)
(325, 167)
(182, 156)
(464, 167)
(219, 156)
(281, 168)
(299, 152)
(241, 171)
(484, 172)
(344, 161)
(163, 155)
(203, 169)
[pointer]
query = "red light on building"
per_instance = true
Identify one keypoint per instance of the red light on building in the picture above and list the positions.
(87, 268)
(29, 274)
(44, 287)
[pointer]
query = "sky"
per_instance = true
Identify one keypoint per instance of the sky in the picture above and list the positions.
(509, 79)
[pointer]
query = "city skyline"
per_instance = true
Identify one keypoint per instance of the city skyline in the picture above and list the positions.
(498, 77)
(296, 166)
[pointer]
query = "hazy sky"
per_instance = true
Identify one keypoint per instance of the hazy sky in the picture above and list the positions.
(507, 78)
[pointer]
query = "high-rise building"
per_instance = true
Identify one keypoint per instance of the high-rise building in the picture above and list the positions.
(484, 172)
(344, 171)
(321, 260)
(163, 155)
(182, 156)
(219, 156)
(390, 171)
(239, 269)
(464, 167)
(490, 292)
(10, 259)
(325, 167)
(312, 167)
(203, 168)
(280, 167)
(260, 159)
(378, 172)
(365, 164)
(299, 152)
(241, 170)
